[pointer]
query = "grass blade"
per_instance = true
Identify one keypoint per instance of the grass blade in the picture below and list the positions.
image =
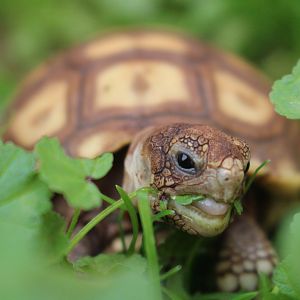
(133, 217)
(74, 221)
(162, 214)
(252, 177)
(149, 240)
(171, 272)
(92, 223)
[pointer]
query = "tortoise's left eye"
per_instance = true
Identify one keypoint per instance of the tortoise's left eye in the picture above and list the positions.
(247, 168)
(185, 162)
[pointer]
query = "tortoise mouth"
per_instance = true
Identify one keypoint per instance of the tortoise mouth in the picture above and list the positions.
(211, 207)
(206, 217)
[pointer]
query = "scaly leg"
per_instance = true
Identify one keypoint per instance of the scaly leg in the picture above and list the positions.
(245, 253)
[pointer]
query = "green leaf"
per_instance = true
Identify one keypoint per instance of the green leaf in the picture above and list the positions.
(25, 199)
(265, 288)
(187, 199)
(226, 296)
(285, 94)
(38, 233)
(52, 239)
(126, 280)
(98, 167)
(17, 168)
(27, 207)
(69, 176)
(286, 280)
(21, 221)
(105, 264)
(287, 274)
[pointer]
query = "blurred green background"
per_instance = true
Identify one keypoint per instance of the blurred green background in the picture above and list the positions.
(264, 32)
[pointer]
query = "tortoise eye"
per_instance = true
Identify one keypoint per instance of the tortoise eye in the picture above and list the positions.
(247, 168)
(185, 162)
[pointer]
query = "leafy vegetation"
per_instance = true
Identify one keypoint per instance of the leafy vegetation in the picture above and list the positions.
(285, 94)
(187, 199)
(68, 176)
(35, 243)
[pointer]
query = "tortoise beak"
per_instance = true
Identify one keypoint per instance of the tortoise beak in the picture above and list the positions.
(202, 221)
(212, 207)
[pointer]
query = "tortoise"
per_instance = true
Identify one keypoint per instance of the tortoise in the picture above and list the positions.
(186, 110)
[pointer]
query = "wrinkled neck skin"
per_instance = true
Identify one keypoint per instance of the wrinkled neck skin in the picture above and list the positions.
(215, 169)
(137, 171)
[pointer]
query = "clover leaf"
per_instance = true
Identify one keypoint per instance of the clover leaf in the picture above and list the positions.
(17, 167)
(70, 176)
(105, 264)
(285, 94)
(25, 204)
(187, 199)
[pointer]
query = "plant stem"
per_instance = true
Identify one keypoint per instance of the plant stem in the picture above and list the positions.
(73, 222)
(92, 223)
(107, 199)
(149, 240)
(171, 272)
(252, 177)
(133, 216)
(162, 214)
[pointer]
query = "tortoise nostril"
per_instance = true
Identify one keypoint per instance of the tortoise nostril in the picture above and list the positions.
(223, 176)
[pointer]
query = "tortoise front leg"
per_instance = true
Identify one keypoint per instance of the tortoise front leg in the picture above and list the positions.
(245, 253)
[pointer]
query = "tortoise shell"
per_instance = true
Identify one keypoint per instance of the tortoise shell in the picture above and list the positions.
(98, 95)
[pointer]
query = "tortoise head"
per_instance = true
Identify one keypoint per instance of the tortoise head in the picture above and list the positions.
(189, 159)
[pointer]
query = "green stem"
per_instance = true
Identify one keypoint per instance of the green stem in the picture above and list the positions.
(253, 176)
(171, 272)
(74, 221)
(107, 199)
(162, 214)
(149, 240)
(133, 216)
(92, 223)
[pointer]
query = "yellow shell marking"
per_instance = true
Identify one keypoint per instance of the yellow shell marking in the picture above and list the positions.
(41, 117)
(122, 43)
(240, 101)
(99, 142)
(139, 83)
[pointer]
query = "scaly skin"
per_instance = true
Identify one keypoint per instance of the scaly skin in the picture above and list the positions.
(219, 165)
(245, 253)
